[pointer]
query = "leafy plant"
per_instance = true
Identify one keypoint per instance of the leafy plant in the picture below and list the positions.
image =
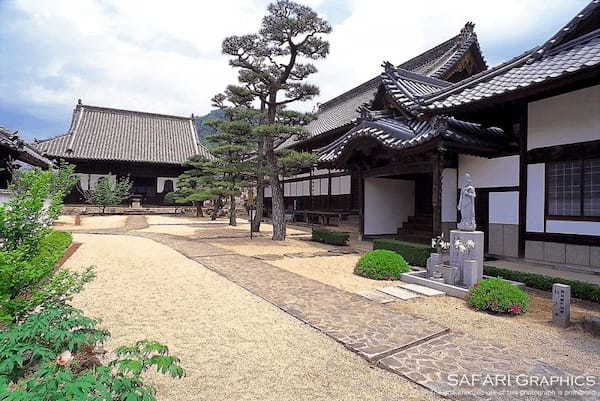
(329, 237)
(50, 356)
(381, 264)
(498, 295)
(110, 191)
(579, 289)
(414, 254)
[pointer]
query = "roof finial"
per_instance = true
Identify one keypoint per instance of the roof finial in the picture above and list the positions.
(79, 102)
(387, 66)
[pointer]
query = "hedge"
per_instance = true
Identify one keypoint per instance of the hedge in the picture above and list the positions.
(414, 254)
(579, 289)
(329, 237)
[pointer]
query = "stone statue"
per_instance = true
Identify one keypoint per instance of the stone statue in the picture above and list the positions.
(466, 205)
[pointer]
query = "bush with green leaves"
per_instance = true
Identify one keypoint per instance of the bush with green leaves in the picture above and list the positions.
(414, 254)
(50, 356)
(381, 264)
(579, 289)
(329, 237)
(110, 191)
(498, 296)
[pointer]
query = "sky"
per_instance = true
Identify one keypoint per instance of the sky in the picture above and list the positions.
(165, 56)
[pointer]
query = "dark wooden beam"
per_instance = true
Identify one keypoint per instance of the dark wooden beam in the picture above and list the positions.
(361, 202)
(436, 193)
(581, 150)
(520, 124)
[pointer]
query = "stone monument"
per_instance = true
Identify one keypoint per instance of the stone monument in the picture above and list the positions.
(466, 244)
(561, 304)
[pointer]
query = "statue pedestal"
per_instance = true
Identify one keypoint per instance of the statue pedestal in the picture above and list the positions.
(476, 254)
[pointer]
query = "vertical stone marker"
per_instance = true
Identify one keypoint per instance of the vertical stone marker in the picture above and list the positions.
(561, 304)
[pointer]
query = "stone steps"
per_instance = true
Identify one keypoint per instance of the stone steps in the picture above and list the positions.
(403, 291)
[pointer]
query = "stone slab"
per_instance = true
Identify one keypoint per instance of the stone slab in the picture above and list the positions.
(436, 364)
(377, 296)
(398, 292)
(365, 327)
(422, 290)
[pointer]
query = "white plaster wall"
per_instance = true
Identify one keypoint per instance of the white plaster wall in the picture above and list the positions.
(504, 207)
(563, 119)
(94, 178)
(388, 203)
(573, 227)
(268, 192)
(449, 193)
(486, 173)
(160, 183)
(340, 185)
(535, 197)
(84, 180)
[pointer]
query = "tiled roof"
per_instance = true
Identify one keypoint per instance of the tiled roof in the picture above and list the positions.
(342, 110)
(397, 134)
(406, 87)
(438, 61)
(552, 60)
(100, 133)
(24, 151)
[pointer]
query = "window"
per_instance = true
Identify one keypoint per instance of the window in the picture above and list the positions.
(573, 188)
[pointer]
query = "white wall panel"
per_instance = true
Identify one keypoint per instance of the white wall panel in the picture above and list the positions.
(316, 187)
(324, 186)
(449, 194)
(504, 207)
(486, 173)
(305, 188)
(268, 192)
(388, 203)
(573, 227)
(336, 185)
(286, 189)
(345, 184)
(160, 183)
(535, 197)
(563, 119)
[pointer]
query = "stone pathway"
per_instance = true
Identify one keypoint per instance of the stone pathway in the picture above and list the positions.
(420, 350)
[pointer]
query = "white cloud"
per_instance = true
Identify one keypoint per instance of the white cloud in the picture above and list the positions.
(166, 56)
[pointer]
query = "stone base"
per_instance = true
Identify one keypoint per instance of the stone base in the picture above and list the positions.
(476, 254)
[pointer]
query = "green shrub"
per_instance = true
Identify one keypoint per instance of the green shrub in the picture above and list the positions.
(381, 264)
(498, 295)
(579, 289)
(414, 254)
(49, 356)
(329, 237)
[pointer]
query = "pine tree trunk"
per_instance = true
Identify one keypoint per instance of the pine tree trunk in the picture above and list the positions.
(199, 212)
(278, 209)
(232, 211)
(260, 205)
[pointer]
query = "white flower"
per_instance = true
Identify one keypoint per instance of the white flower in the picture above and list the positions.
(462, 249)
(457, 243)
(471, 244)
(64, 358)
(433, 244)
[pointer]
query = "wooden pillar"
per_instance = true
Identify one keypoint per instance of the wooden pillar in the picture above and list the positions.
(361, 203)
(329, 189)
(436, 193)
(521, 125)
(310, 191)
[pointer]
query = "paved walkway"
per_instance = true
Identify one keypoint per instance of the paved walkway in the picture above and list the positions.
(420, 350)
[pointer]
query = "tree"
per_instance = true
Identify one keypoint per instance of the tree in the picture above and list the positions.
(233, 145)
(269, 64)
(192, 185)
(110, 192)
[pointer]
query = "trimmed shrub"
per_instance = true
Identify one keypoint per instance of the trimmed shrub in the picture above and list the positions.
(381, 264)
(579, 289)
(414, 254)
(329, 237)
(498, 295)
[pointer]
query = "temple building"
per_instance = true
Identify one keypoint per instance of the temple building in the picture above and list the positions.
(527, 130)
(151, 149)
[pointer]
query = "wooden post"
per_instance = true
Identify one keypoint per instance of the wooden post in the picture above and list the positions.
(436, 193)
(361, 202)
(329, 189)
(522, 134)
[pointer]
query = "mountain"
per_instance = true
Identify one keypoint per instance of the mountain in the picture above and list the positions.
(204, 130)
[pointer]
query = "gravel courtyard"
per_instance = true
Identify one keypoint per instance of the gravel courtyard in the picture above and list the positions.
(233, 345)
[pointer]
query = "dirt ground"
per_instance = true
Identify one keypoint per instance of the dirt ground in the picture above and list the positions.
(233, 345)
(90, 222)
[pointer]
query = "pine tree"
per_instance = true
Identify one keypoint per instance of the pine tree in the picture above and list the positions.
(269, 64)
(192, 185)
